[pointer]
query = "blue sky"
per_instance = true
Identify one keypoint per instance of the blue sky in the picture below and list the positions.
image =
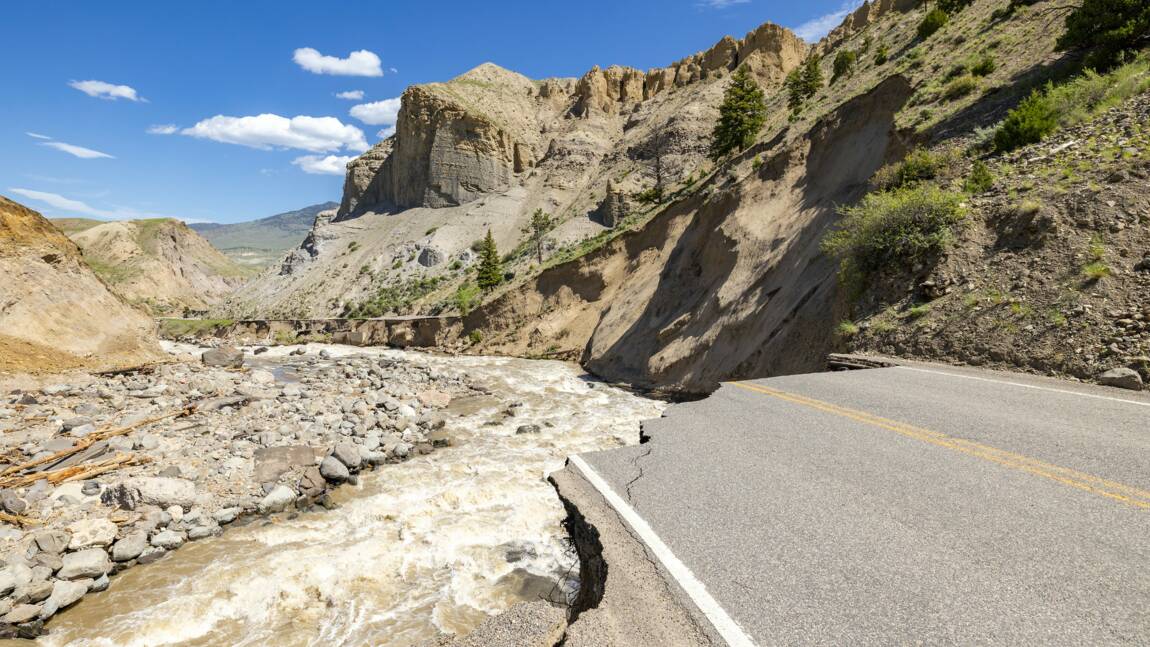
(228, 111)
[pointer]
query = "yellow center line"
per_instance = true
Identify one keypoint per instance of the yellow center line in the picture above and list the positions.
(1073, 478)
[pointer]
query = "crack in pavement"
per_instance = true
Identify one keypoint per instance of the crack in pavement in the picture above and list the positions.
(635, 464)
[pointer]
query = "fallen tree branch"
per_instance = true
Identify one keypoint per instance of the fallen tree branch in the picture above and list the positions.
(89, 440)
(17, 519)
(75, 472)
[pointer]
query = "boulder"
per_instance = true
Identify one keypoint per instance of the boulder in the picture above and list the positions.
(32, 592)
(164, 491)
(130, 547)
(277, 500)
(273, 462)
(21, 613)
(14, 576)
(262, 377)
(52, 541)
(333, 470)
(63, 595)
(224, 357)
(527, 429)
(203, 532)
(431, 256)
(91, 532)
(1122, 378)
(434, 399)
(348, 454)
(90, 563)
(167, 539)
(226, 515)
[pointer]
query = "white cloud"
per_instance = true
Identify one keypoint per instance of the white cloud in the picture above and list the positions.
(268, 131)
(316, 165)
(163, 129)
(720, 4)
(361, 63)
(67, 205)
(102, 90)
(78, 151)
(378, 113)
(813, 30)
(37, 135)
(353, 95)
(386, 132)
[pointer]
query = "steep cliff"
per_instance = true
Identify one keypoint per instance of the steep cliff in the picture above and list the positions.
(160, 264)
(55, 314)
(485, 150)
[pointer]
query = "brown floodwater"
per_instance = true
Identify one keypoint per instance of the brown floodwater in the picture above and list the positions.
(430, 546)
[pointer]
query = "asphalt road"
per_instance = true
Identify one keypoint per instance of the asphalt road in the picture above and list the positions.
(905, 505)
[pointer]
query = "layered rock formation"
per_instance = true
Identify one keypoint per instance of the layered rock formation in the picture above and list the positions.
(161, 264)
(55, 314)
(485, 150)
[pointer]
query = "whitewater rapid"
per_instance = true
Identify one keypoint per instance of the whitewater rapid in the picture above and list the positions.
(430, 546)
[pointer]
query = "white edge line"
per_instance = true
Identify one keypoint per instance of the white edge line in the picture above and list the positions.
(730, 631)
(1026, 386)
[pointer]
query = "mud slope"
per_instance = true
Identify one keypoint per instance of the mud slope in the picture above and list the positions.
(728, 283)
(55, 314)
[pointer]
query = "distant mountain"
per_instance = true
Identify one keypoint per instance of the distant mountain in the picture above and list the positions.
(262, 242)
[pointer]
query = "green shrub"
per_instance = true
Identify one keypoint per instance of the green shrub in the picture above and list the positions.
(882, 55)
(1113, 29)
(918, 312)
(1028, 123)
(847, 329)
(919, 165)
(1073, 102)
(954, 6)
(984, 67)
(959, 88)
(844, 64)
(475, 336)
(1096, 271)
(980, 179)
(894, 229)
(803, 83)
(935, 20)
(466, 296)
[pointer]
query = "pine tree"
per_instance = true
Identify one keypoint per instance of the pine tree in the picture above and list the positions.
(741, 116)
(1114, 29)
(803, 83)
(536, 230)
(490, 266)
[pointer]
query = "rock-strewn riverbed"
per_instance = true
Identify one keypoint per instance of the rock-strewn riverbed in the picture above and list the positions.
(426, 544)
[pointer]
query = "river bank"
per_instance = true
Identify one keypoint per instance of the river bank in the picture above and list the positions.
(305, 422)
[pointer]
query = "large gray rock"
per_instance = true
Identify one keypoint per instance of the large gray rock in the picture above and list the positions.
(272, 462)
(1122, 378)
(14, 576)
(52, 541)
(431, 256)
(130, 547)
(348, 454)
(21, 613)
(277, 500)
(224, 356)
(63, 595)
(168, 539)
(333, 470)
(90, 562)
(164, 491)
(91, 532)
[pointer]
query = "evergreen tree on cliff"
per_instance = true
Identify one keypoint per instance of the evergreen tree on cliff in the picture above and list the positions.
(1113, 29)
(741, 116)
(490, 266)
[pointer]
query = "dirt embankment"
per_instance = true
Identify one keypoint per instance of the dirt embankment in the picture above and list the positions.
(55, 314)
(727, 283)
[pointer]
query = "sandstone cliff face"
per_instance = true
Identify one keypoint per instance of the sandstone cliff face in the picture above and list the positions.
(55, 314)
(485, 150)
(161, 264)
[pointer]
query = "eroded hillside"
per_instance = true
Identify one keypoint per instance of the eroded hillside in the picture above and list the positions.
(160, 264)
(55, 314)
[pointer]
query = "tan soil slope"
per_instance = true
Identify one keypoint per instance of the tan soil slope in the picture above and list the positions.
(160, 263)
(55, 314)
